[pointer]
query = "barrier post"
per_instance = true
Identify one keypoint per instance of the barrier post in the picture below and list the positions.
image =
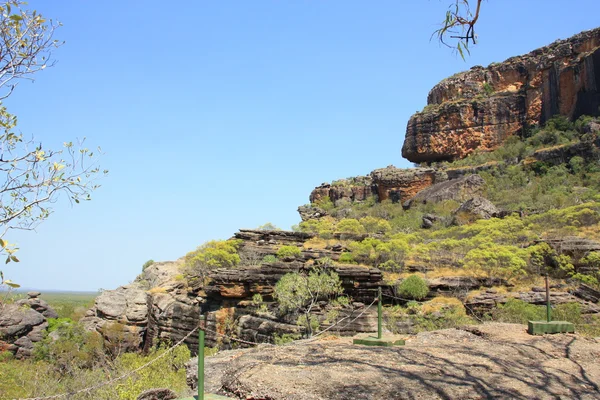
(202, 323)
(379, 314)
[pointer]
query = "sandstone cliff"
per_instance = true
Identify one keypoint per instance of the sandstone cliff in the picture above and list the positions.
(480, 108)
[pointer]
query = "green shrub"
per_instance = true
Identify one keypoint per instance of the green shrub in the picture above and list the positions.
(488, 89)
(414, 287)
(288, 252)
(518, 312)
(147, 264)
(375, 225)
(349, 226)
(571, 312)
(212, 255)
(346, 258)
(285, 338)
(268, 227)
(269, 259)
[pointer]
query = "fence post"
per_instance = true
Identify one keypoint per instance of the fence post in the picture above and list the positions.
(379, 312)
(548, 307)
(201, 328)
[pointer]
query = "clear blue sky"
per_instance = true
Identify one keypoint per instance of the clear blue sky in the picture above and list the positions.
(221, 115)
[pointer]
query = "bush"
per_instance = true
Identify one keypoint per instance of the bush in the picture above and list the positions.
(268, 227)
(518, 312)
(147, 264)
(346, 258)
(414, 287)
(284, 338)
(350, 226)
(269, 259)
(212, 255)
(288, 252)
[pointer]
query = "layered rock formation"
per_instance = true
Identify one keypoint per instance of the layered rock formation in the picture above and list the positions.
(23, 323)
(395, 184)
(480, 108)
(159, 306)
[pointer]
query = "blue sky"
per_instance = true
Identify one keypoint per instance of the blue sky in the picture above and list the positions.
(215, 116)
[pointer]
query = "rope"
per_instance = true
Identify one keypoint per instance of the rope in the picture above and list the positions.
(310, 340)
(128, 374)
(400, 298)
(169, 350)
(357, 317)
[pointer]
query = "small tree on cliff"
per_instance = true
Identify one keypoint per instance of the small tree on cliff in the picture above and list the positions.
(32, 177)
(300, 292)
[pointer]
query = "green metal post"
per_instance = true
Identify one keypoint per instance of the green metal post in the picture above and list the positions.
(548, 308)
(201, 357)
(379, 312)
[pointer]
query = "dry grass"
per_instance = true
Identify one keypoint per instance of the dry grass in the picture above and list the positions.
(447, 271)
(438, 303)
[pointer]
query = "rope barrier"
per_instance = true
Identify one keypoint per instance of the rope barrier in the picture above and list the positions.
(169, 350)
(400, 298)
(357, 317)
(310, 340)
(126, 375)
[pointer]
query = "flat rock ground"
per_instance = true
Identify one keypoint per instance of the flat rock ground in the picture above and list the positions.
(478, 362)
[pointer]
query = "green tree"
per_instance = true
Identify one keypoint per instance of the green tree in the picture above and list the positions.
(268, 227)
(32, 177)
(300, 292)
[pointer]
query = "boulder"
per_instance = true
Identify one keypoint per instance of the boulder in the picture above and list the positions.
(20, 328)
(459, 190)
(311, 212)
(122, 312)
(474, 209)
(39, 305)
(402, 184)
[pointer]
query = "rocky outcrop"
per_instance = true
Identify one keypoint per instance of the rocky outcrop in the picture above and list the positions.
(395, 184)
(23, 323)
(459, 190)
(121, 312)
(34, 302)
(359, 282)
(474, 209)
(399, 184)
(160, 306)
(485, 301)
(358, 188)
(480, 108)
(311, 212)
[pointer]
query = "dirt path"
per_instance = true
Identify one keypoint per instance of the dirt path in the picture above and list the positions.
(483, 362)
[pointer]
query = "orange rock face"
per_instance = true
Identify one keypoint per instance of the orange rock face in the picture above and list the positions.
(480, 108)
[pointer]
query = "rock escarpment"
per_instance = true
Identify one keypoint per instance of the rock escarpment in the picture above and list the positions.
(160, 306)
(480, 108)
